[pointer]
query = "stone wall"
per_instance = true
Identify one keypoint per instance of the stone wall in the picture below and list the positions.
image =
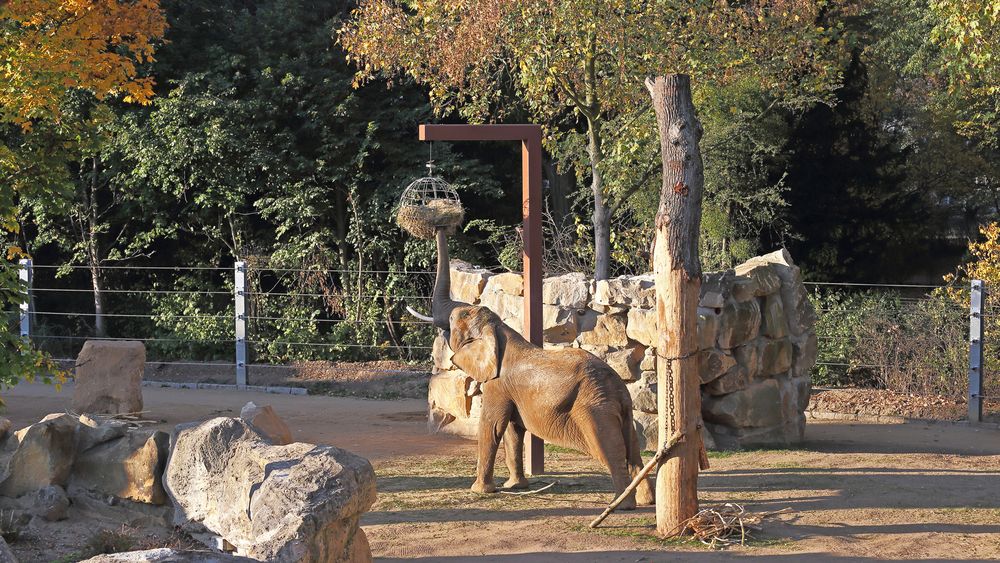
(755, 326)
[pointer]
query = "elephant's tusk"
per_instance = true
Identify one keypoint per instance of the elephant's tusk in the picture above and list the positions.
(418, 315)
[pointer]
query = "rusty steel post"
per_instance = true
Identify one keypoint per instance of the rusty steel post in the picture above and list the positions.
(530, 137)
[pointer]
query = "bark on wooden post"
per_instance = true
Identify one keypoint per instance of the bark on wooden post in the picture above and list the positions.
(677, 268)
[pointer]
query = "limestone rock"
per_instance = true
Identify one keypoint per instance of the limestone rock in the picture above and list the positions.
(38, 456)
(626, 362)
(627, 291)
(712, 300)
(109, 377)
(607, 330)
(508, 282)
(129, 467)
(739, 323)
(648, 360)
(775, 356)
(5, 426)
(645, 429)
(707, 439)
(167, 555)
(441, 354)
(777, 436)
(733, 380)
(559, 325)
(51, 503)
(267, 422)
(798, 309)
(804, 354)
(643, 395)
(714, 364)
(743, 289)
(766, 281)
(754, 407)
(92, 432)
(467, 281)
(641, 326)
(775, 325)
(446, 392)
(6, 555)
(708, 329)
(298, 502)
(715, 287)
(568, 290)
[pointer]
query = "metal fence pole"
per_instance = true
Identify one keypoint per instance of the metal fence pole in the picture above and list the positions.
(26, 274)
(241, 323)
(977, 296)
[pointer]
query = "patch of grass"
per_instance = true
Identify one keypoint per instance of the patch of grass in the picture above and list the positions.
(642, 529)
(721, 454)
(11, 525)
(554, 449)
(111, 541)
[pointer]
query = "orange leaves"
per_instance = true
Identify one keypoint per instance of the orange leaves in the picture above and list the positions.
(51, 46)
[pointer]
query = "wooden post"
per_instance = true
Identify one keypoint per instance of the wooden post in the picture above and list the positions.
(677, 269)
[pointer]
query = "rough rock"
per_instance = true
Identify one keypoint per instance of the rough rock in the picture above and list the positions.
(714, 364)
(508, 282)
(607, 330)
(441, 354)
(708, 329)
(6, 555)
(109, 377)
(648, 362)
(804, 355)
(641, 326)
(167, 555)
(559, 325)
(92, 432)
(743, 289)
(707, 439)
(779, 435)
(626, 291)
(645, 427)
(643, 395)
(5, 425)
(626, 362)
(267, 422)
(798, 309)
(774, 323)
(766, 281)
(747, 408)
(298, 502)
(712, 300)
(568, 290)
(446, 392)
(775, 356)
(733, 380)
(739, 323)
(38, 456)
(130, 467)
(51, 503)
(467, 281)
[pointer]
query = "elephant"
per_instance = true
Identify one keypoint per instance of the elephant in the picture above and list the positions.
(567, 397)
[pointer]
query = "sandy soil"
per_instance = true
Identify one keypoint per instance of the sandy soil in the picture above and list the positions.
(858, 491)
(882, 402)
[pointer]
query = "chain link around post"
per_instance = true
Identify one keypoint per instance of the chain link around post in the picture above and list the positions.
(671, 395)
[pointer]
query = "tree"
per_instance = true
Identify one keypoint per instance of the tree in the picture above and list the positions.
(581, 63)
(49, 48)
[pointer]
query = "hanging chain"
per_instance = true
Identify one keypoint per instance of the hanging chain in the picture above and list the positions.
(671, 396)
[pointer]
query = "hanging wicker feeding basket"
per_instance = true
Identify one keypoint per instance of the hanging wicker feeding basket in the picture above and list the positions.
(429, 204)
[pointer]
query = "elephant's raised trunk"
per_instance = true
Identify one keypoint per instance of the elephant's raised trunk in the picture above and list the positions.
(442, 303)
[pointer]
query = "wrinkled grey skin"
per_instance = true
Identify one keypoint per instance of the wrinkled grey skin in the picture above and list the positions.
(567, 397)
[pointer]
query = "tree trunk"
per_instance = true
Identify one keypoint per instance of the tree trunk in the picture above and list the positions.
(677, 270)
(602, 215)
(93, 252)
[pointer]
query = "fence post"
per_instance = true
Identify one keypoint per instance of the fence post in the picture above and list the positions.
(977, 296)
(26, 274)
(240, 287)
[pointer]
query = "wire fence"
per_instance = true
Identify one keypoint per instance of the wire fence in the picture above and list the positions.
(266, 324)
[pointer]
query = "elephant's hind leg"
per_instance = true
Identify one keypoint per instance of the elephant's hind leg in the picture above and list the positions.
(644, 492)
(605, 443)
(513, 446)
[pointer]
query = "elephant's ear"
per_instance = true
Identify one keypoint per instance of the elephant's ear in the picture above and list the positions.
(480, 358)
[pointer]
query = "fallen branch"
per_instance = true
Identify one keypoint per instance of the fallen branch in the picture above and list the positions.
(522, 493)
(660, 454)
(730, 524)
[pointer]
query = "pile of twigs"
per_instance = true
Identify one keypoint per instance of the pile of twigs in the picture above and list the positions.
(730, 524)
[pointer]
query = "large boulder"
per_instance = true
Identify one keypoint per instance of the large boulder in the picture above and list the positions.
(51, 503)
(298, 502)
(38, 456)
(467, 281)
(166, 555)
(5, 426)
(568, 290)
(109, 377)
(6, 556)
(267, 422)
(129, 467)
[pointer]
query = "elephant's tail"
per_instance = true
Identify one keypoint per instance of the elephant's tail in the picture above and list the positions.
(633, 454)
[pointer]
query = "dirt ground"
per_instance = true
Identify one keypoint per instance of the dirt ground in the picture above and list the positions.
(858, 491)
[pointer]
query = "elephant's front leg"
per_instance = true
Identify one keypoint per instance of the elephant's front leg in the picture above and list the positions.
(493, 420)
(513, 445)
